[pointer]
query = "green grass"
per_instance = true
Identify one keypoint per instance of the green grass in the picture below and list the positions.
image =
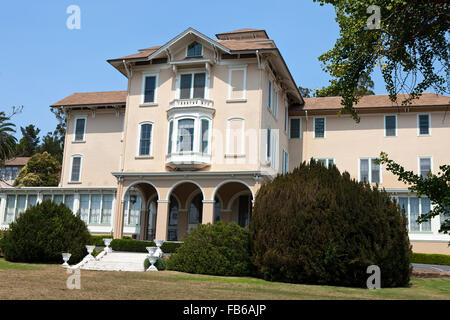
(6, 265)
(441, 259)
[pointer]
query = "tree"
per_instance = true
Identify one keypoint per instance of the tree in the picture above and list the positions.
(42, 170)
(364, 88)
(407, 40)
(305, 92)
(29, 142)
(7, 140)
(435, 187)
(52, 144)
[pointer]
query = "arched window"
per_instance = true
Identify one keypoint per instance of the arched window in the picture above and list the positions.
(194, 50)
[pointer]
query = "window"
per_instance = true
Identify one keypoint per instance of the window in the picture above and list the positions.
(21, 204)
(15, 172)
(273, 149)
(32, 199)
(10, 208)
(325, 162)
(80, 128)
(285, 162)
(294, 132)
(149, 88)
(268, 144)
(319, 127)
(275, 103)
(286, 119)
(185, 138)
(58, 198)
(204, 135)
(194, 50)
(192, 85)
(444, 216)
(424, 167)
(84, 207)
(269, 96)
(235, 137)
(133, 210)
(369, 171)
(68, 201)
(237, 83)
(423, 121)
(415, 207)
(75, 175)
(145, 139)
(107, 208)
(169, 143)
(390, 126)
(7, 173)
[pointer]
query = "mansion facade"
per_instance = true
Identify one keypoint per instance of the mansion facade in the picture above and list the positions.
(205, 122)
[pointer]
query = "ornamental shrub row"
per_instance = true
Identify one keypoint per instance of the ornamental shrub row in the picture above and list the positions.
(442, 259)
(132, 245)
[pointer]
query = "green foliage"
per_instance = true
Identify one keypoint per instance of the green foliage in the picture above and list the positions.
(43, 232)
(218, 249)
(132, 245)
(7, 140)
(52, 144)
(410, 48)
(316, 225)
(2, 236)
(160, 264)
(442, 259)
(434, 187)
(42, 170)
(29, 142)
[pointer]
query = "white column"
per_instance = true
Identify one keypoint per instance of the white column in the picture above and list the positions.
(2, 207)
(39, 198)
(76, 203)
(435, 223)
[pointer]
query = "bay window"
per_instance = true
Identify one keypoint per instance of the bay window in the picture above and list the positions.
(189, 134)
(185, 136)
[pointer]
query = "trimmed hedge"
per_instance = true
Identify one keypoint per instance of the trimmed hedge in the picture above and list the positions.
(132, 245)
(426, 258)
(43, 232)
(222, 249)
(318, 226)
(98, 240)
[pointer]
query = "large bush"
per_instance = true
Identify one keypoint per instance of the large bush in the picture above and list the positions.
(317, 226)
(216, 249)
(43, 232)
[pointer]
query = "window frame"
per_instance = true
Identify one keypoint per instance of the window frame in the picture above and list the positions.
(299, 128)
(227, 137)
(71, 168)
(244, 83)
(196, 145)
(418, 164)
(74, 140)
(191, 92)
(324, 127)
(155, 96)
(285, 162)
(196, 56)
(138, 148)
(327, 161)
(370, 159)
(396, 125)
(429, 125)
(408, 213)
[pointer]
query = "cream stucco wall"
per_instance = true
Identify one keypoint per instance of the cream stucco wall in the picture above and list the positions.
(346, 141)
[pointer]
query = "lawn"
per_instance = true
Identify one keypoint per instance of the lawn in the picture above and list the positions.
(26, 281)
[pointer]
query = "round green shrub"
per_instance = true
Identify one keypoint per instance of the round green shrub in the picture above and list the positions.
(160, 264)
(318, 226)
(216, 249)
(43, 232)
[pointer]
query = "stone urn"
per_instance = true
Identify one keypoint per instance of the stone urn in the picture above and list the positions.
(66, 256)
(151, 250)
(159, 243)
(107, 242)
(152, 259)
(90, 249)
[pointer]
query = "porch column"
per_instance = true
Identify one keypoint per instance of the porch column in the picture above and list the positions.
(208, 211)
(143, 224)
(162, 220)
(118, 210)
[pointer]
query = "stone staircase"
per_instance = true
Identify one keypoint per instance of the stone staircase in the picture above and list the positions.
(116, 261)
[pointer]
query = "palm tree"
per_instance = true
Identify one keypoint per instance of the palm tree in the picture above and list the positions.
(7, 140)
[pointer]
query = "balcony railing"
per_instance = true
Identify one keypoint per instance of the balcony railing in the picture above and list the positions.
(188, 103)
(188, 160)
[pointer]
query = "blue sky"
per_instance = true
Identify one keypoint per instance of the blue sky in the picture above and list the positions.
(42, 61)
